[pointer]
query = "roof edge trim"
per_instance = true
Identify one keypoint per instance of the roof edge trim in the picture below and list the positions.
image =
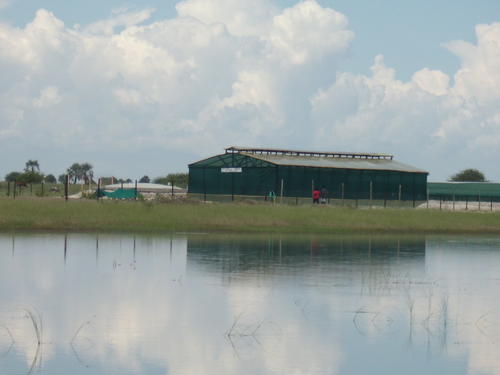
(332, 154)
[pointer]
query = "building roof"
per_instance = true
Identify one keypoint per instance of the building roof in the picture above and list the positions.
(335, 154)
(336, 162)
(313, 159)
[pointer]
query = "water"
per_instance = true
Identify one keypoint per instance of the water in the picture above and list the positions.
(203, 304)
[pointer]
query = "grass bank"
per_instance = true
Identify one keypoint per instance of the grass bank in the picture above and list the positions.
(45, 214)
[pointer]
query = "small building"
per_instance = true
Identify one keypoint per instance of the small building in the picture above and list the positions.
(255, 172)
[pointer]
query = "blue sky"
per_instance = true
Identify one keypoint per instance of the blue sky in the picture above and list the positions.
(308, 78)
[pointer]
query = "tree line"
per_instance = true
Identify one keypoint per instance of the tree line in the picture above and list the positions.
(31, 174)
(84, 173)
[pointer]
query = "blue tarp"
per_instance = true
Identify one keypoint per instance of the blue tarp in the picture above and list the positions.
(118, 194)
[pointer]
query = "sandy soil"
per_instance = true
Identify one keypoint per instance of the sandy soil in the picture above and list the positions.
(461, 206)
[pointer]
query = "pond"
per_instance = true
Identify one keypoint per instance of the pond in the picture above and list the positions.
(229, 304)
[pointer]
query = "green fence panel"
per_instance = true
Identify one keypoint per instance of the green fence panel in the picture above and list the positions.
(464, 191)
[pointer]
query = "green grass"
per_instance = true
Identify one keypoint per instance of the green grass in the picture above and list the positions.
(35, 214)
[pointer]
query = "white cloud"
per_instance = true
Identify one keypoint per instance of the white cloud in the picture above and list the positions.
(308, 31)
(432, 81)
(230, 72)
(444, 127)
(49, 96)
(219, 73)
(242, 18)
(121, 18)
(480, 72)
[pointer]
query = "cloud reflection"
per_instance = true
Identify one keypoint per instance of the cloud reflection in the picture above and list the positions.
(231, 304)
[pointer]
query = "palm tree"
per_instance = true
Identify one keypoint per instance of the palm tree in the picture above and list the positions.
(87, 172)
(31, 165)
(78, 172)
(74, 172)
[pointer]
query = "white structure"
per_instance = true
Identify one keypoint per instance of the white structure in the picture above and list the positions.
(147, 188)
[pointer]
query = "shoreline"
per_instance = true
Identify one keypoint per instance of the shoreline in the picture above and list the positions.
(88, 216)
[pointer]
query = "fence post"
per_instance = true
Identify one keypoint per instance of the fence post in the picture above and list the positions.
(232, 186)
(479, 201)
(15, 183)
(399, 195)
(204, 186)
(466, 203)
(281, 194)
(8, 188)
(42, 188)
(31, 189)
(135, 198)
(172, 185)
(66, 187)
(491, 204)
(440, 201)
(98, 192)
(371, 194)
(453, 201)
(414, 195)
(342, 194)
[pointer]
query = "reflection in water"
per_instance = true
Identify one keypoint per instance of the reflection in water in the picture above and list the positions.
(235, 257)
(106, 304)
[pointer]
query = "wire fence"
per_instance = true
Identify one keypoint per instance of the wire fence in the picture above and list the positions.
(447, 202)
(297, 201)
(463, 203)
(17, 190)
(437, 203)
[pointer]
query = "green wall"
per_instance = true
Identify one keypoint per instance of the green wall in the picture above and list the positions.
(258, 178)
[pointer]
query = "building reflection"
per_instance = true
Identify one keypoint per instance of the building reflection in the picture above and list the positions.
(236, 253)
(232, 255)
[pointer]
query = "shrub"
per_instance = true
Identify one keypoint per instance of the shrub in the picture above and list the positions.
(468, 175)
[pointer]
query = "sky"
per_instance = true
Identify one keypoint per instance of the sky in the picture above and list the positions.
(147, 87)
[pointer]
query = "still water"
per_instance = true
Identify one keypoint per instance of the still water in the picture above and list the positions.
(203, 304)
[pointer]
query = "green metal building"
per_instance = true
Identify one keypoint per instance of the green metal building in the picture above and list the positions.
(256, 172)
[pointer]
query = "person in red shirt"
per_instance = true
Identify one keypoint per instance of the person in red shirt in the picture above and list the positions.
(316, 196)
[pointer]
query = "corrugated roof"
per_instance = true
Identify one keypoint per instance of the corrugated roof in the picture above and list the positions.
(335, 162)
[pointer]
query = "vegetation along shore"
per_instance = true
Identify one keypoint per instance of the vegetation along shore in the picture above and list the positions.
(35, 214)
